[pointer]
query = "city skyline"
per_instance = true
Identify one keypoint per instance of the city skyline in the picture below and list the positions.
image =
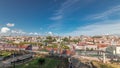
(60, 17)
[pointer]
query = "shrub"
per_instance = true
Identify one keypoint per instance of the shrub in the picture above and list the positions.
(41, 61)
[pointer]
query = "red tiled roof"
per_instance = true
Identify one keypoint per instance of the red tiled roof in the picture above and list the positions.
(102, 45)
(23, 46)
(81, 44)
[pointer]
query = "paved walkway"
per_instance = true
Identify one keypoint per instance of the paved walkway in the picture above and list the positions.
(91, 58)
(7, 63)
(80, 64)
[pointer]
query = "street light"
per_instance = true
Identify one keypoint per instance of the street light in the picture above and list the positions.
(85, 49)
(14, 60)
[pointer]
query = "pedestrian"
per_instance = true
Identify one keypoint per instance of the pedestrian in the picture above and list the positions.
(70, 65)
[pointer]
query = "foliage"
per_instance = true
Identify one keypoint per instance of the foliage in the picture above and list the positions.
(97, 37)
(53, 46)
(50, 39)
(92, 49)
(49, 63)
(41, 61)
(5, 53)
(65, 39)
(32, 43)
(75, 40)
(106, 65)
(64, 46)
(87, 49)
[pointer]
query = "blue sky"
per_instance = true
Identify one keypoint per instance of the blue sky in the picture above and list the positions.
(61, 17)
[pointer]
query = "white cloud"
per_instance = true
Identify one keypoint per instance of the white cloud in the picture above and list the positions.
(65, 6)
(31, 33)
(5, 29)
(35, 33)
(18, 31)
(106, 14)
(10, 25)
(57, 17)
(62, 12)
(50, 33)
(13, 31)
(106, 27)
(55, 26)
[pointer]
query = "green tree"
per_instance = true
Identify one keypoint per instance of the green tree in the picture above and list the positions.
(75, 41)
(87, 49)
(92, 49)
(65, 39)
(64, 46)
(41, 61)
(49, 39)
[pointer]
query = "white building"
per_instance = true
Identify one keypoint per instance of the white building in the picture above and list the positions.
(86, 47)
(91, 47)
(113, 49)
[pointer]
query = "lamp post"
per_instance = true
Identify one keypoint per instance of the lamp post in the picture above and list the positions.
(14, 60)
(59, 46)
(85, 49)
(104, 58)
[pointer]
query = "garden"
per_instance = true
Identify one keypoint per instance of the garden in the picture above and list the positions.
(45, 62)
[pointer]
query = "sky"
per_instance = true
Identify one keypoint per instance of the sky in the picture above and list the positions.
(59, 17)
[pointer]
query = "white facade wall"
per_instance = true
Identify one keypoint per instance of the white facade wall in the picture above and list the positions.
(113, 49)
(117, 50)
(103, 48)
(35, 48)
(94, 47)
(79, 47)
